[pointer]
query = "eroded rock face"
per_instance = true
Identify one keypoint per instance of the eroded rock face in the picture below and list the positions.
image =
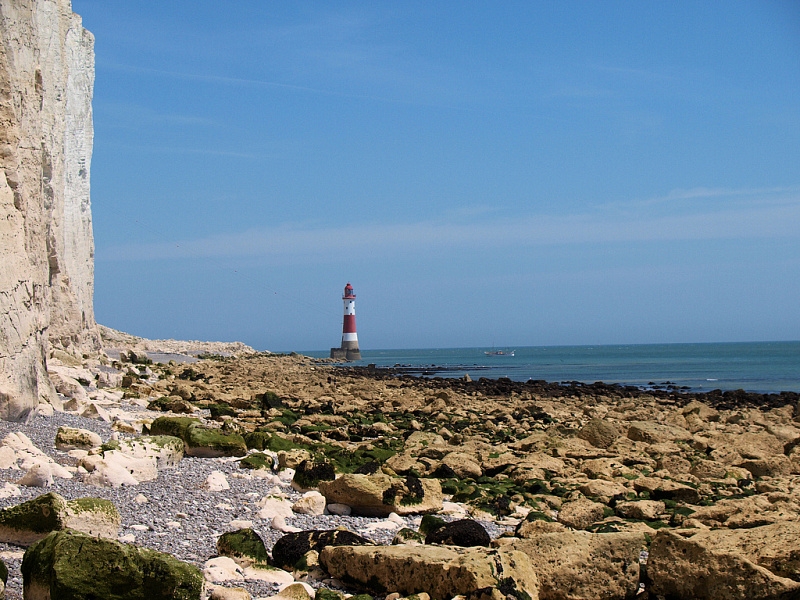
(714, 564)
(578, 564)
(47, 272)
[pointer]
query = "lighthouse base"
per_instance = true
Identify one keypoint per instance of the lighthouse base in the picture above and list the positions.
(346, 353)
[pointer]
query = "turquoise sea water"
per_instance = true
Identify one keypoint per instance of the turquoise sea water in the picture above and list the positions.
(753, 366)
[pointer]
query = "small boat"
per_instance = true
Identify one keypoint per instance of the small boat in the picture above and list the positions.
(499, 352)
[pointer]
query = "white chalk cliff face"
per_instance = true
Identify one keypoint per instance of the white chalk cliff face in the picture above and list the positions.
(46, 244)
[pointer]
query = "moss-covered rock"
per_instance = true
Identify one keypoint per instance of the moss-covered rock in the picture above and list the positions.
(211, 443)
(257, 460)
(244, 546)
(257, 440)
(407, 536)
(70, 438)
(30, 521)
(94, 516)
(430, 523)
(326, 594)
(175, 426)
(221, 410)
(72, 566)
(310, 473)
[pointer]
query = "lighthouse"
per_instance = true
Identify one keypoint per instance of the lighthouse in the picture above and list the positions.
(349, 349)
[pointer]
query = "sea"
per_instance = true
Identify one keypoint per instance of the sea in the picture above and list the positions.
(763, 367)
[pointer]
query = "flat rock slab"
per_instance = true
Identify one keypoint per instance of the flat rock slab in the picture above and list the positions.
(758, 563)
(441, 571)
(581, 565)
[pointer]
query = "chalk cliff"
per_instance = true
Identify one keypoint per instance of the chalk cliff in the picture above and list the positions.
(46, 244)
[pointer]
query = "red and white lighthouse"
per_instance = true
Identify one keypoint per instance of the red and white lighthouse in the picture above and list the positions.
(349, 349)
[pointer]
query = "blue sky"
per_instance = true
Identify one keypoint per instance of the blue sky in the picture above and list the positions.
(510, 174)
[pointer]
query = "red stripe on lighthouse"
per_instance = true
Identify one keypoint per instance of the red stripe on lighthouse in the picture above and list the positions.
(349, 325)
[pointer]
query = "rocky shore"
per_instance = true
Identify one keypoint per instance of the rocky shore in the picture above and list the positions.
(258, 472)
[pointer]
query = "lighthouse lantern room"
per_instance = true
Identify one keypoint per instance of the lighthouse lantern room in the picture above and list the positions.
(349, 348)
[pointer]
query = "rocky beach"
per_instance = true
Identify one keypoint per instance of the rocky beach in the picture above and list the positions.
(143, 469)
(445, 487)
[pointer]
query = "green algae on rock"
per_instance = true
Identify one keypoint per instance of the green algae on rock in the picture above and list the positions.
(174, 426)
(200, 441)
(30, 521)
(69, 565)
(244, 546)
(309, 474)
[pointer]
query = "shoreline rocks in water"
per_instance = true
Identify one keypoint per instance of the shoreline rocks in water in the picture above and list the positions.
(591, 491)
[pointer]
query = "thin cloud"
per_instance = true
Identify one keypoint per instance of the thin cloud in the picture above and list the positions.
(753, 221)
(241, 81)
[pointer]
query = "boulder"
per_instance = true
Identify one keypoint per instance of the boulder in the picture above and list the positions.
(311, 503)
(440, 571)
(295, 591)
(30, 521)
(293, 546)
(113, 469)
(205, 442)
(380, 495)
(244, 546)
(748, 445)
(174, 426)
(309, 474)
(464, 532)
(581, 513)
(758, 563)
(599, 433)
(674, 464)
(579, 564)
(167, 450)
(69, 565)
(229, 593)
(462, 465)
(709, 470)
(273, 506)
(771, 466)
(666, 489)
(39, 475)
(216, 482)
(200, 441)
(643, 510)
(603, 490)
(222, 568)
(654, 433)
(68, 386)
(291, 459)
(71, 438)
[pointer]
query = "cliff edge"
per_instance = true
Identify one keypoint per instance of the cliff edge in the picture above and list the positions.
(46, 243)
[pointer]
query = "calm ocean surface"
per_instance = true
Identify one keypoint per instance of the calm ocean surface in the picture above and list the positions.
(753, 366)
